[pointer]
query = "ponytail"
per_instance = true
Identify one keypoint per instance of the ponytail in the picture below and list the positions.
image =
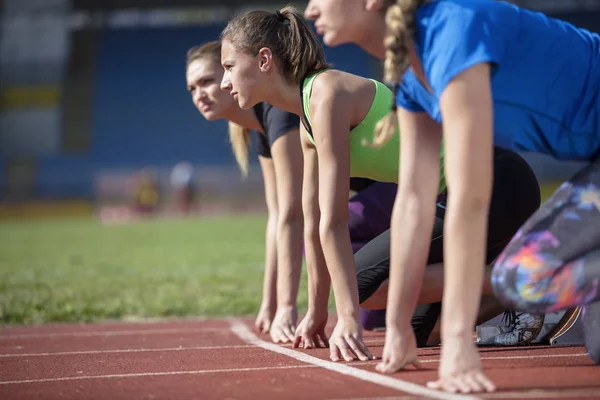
(288, 36)
(240, 141)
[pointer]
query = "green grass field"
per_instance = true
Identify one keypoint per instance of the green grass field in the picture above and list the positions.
(80, 270)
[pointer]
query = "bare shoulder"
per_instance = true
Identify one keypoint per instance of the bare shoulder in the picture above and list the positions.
(336, 86)
(338, 92)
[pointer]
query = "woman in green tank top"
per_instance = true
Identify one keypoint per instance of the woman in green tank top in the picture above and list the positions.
(276, 58)
(375, 162)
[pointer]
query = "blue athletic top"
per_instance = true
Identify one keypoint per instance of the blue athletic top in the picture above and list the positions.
(545, 73)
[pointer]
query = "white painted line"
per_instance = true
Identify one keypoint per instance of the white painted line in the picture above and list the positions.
(523, 394)
(112, 333)
(545, 394)
(147, 374)
(244, 333)
(519, 357)
(70, 353)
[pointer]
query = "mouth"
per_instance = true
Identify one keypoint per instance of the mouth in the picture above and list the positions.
(320, 29)
(205, 107)
(235, 95)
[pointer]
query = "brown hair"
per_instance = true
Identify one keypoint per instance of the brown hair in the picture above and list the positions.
(210, 50)
(238, 135)
(400, 18)
(286, 33)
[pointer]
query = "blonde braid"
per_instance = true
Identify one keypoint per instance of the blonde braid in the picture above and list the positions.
(400, 18)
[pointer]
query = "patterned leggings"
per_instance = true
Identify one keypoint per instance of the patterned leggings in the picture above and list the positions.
(553, 262)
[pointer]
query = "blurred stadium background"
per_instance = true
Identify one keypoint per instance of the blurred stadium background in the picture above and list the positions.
(93, 91)
(93, 106)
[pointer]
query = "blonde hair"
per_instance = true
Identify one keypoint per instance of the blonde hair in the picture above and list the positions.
(400, 20)
(286, 33)
(238, 135)
(240, 141)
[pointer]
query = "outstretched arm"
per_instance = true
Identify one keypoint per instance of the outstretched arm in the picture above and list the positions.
(413, 214)
(269, 300)
(467, 111)
(287, 157)
(412, 225)
(466, 106)
(312, 327)
(331, 123)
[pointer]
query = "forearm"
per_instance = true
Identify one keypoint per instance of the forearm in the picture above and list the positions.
(335, 240)
(289, 258)
(464, 248)
(270, 277)
(412, 223)
(319, 281)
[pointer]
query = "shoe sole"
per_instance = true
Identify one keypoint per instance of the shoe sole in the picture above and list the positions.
(533, 336)
(564, 325)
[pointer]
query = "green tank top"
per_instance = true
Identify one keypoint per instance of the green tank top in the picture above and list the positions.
(380, 163)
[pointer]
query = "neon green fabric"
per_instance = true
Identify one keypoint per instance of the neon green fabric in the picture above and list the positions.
(381, 163)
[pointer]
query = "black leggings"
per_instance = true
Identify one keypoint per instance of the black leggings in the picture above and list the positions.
(515, 197)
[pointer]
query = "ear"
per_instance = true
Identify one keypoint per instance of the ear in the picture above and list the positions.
(374, 5)
(265, 59)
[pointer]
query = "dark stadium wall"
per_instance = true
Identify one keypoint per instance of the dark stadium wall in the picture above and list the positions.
(142, 111)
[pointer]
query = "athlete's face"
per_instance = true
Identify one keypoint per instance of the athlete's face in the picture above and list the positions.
(203, 81)
(340, 21)
(243, 77)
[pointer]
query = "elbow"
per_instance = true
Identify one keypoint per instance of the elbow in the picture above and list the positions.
(311, 228)
(472, 201)
(273, 218)
(331, 226)
(410, 206)
(289, 216)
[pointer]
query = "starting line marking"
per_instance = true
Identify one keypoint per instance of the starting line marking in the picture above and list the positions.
(241, 330)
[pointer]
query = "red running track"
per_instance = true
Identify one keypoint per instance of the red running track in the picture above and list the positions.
(225, 359)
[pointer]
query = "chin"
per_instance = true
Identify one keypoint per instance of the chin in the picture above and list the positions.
(332, 40)
(246, 103)
(210, 115)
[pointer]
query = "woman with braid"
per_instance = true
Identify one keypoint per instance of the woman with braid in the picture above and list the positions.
(275, 57)
(280, 157)
(479, 73)
(363, 22)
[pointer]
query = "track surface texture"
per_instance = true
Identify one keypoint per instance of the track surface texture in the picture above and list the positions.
(225, 359)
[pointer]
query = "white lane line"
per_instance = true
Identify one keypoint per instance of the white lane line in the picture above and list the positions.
(545, 394)
(225, 347)
(516, 394)
(165, 349)
(147, 374)
(244, 333)
(520, 357)
(112, 333)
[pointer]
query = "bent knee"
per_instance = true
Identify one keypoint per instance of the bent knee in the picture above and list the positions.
(518, 289)
(369, 281)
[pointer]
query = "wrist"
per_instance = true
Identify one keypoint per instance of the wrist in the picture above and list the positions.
(347, 313)
(317, 310)
(397, 322)
(456, 334)
(269, 302)
(286, 306)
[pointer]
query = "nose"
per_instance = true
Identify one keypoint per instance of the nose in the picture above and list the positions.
(226, 82)
(198, 95)
(311, 11)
